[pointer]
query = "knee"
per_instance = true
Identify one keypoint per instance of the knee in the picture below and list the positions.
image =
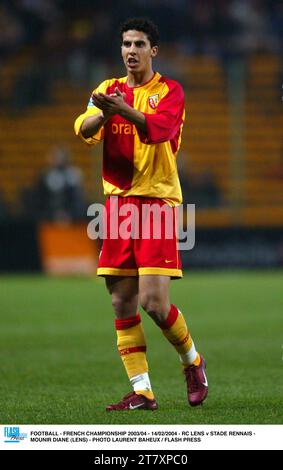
(119, 304)
(124, 307)
(157, 308)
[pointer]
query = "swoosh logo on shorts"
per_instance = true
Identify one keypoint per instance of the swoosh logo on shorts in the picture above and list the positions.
(169, 261)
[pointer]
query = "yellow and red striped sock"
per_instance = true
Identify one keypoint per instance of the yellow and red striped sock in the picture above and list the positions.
(132, 349)
(176, 331)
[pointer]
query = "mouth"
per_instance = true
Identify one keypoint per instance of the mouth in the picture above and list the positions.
(132, 62)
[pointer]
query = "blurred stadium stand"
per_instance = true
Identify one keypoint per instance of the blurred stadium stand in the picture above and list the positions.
(227, 55)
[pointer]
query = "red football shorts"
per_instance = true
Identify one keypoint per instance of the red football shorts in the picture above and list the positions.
(140, 237)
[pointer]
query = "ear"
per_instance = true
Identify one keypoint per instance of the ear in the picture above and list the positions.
(154, 51)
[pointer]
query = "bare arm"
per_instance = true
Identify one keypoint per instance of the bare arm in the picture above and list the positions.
(92, 124)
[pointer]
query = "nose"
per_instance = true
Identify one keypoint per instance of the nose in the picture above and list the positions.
(132, 49)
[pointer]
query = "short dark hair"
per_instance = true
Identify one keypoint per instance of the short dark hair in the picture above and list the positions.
(144, 25)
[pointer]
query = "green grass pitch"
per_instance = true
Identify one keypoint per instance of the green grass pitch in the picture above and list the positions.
(59, 363)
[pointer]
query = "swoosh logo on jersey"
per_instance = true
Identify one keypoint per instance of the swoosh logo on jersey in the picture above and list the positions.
(169, 261)
(131, 407)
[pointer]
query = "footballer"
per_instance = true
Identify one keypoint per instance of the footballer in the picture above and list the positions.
(140, 117)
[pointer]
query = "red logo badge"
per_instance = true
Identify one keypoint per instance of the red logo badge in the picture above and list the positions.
(153, 101)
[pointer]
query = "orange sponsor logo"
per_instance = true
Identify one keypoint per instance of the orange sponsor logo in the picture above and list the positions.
(123, 128)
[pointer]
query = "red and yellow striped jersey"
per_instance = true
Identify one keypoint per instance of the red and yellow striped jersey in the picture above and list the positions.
(135, 163)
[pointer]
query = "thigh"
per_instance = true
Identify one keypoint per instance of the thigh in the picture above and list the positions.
(155, 288)
(125, 286)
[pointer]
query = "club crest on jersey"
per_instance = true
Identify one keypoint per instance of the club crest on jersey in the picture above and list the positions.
(153, 101)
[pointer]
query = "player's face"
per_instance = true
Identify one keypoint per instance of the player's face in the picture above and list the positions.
(137, 52)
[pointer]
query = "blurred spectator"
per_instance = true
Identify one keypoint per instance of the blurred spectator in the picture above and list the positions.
(79, 36)
(253, 28)
(59, 194)
(12, 32)
(31, 88)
